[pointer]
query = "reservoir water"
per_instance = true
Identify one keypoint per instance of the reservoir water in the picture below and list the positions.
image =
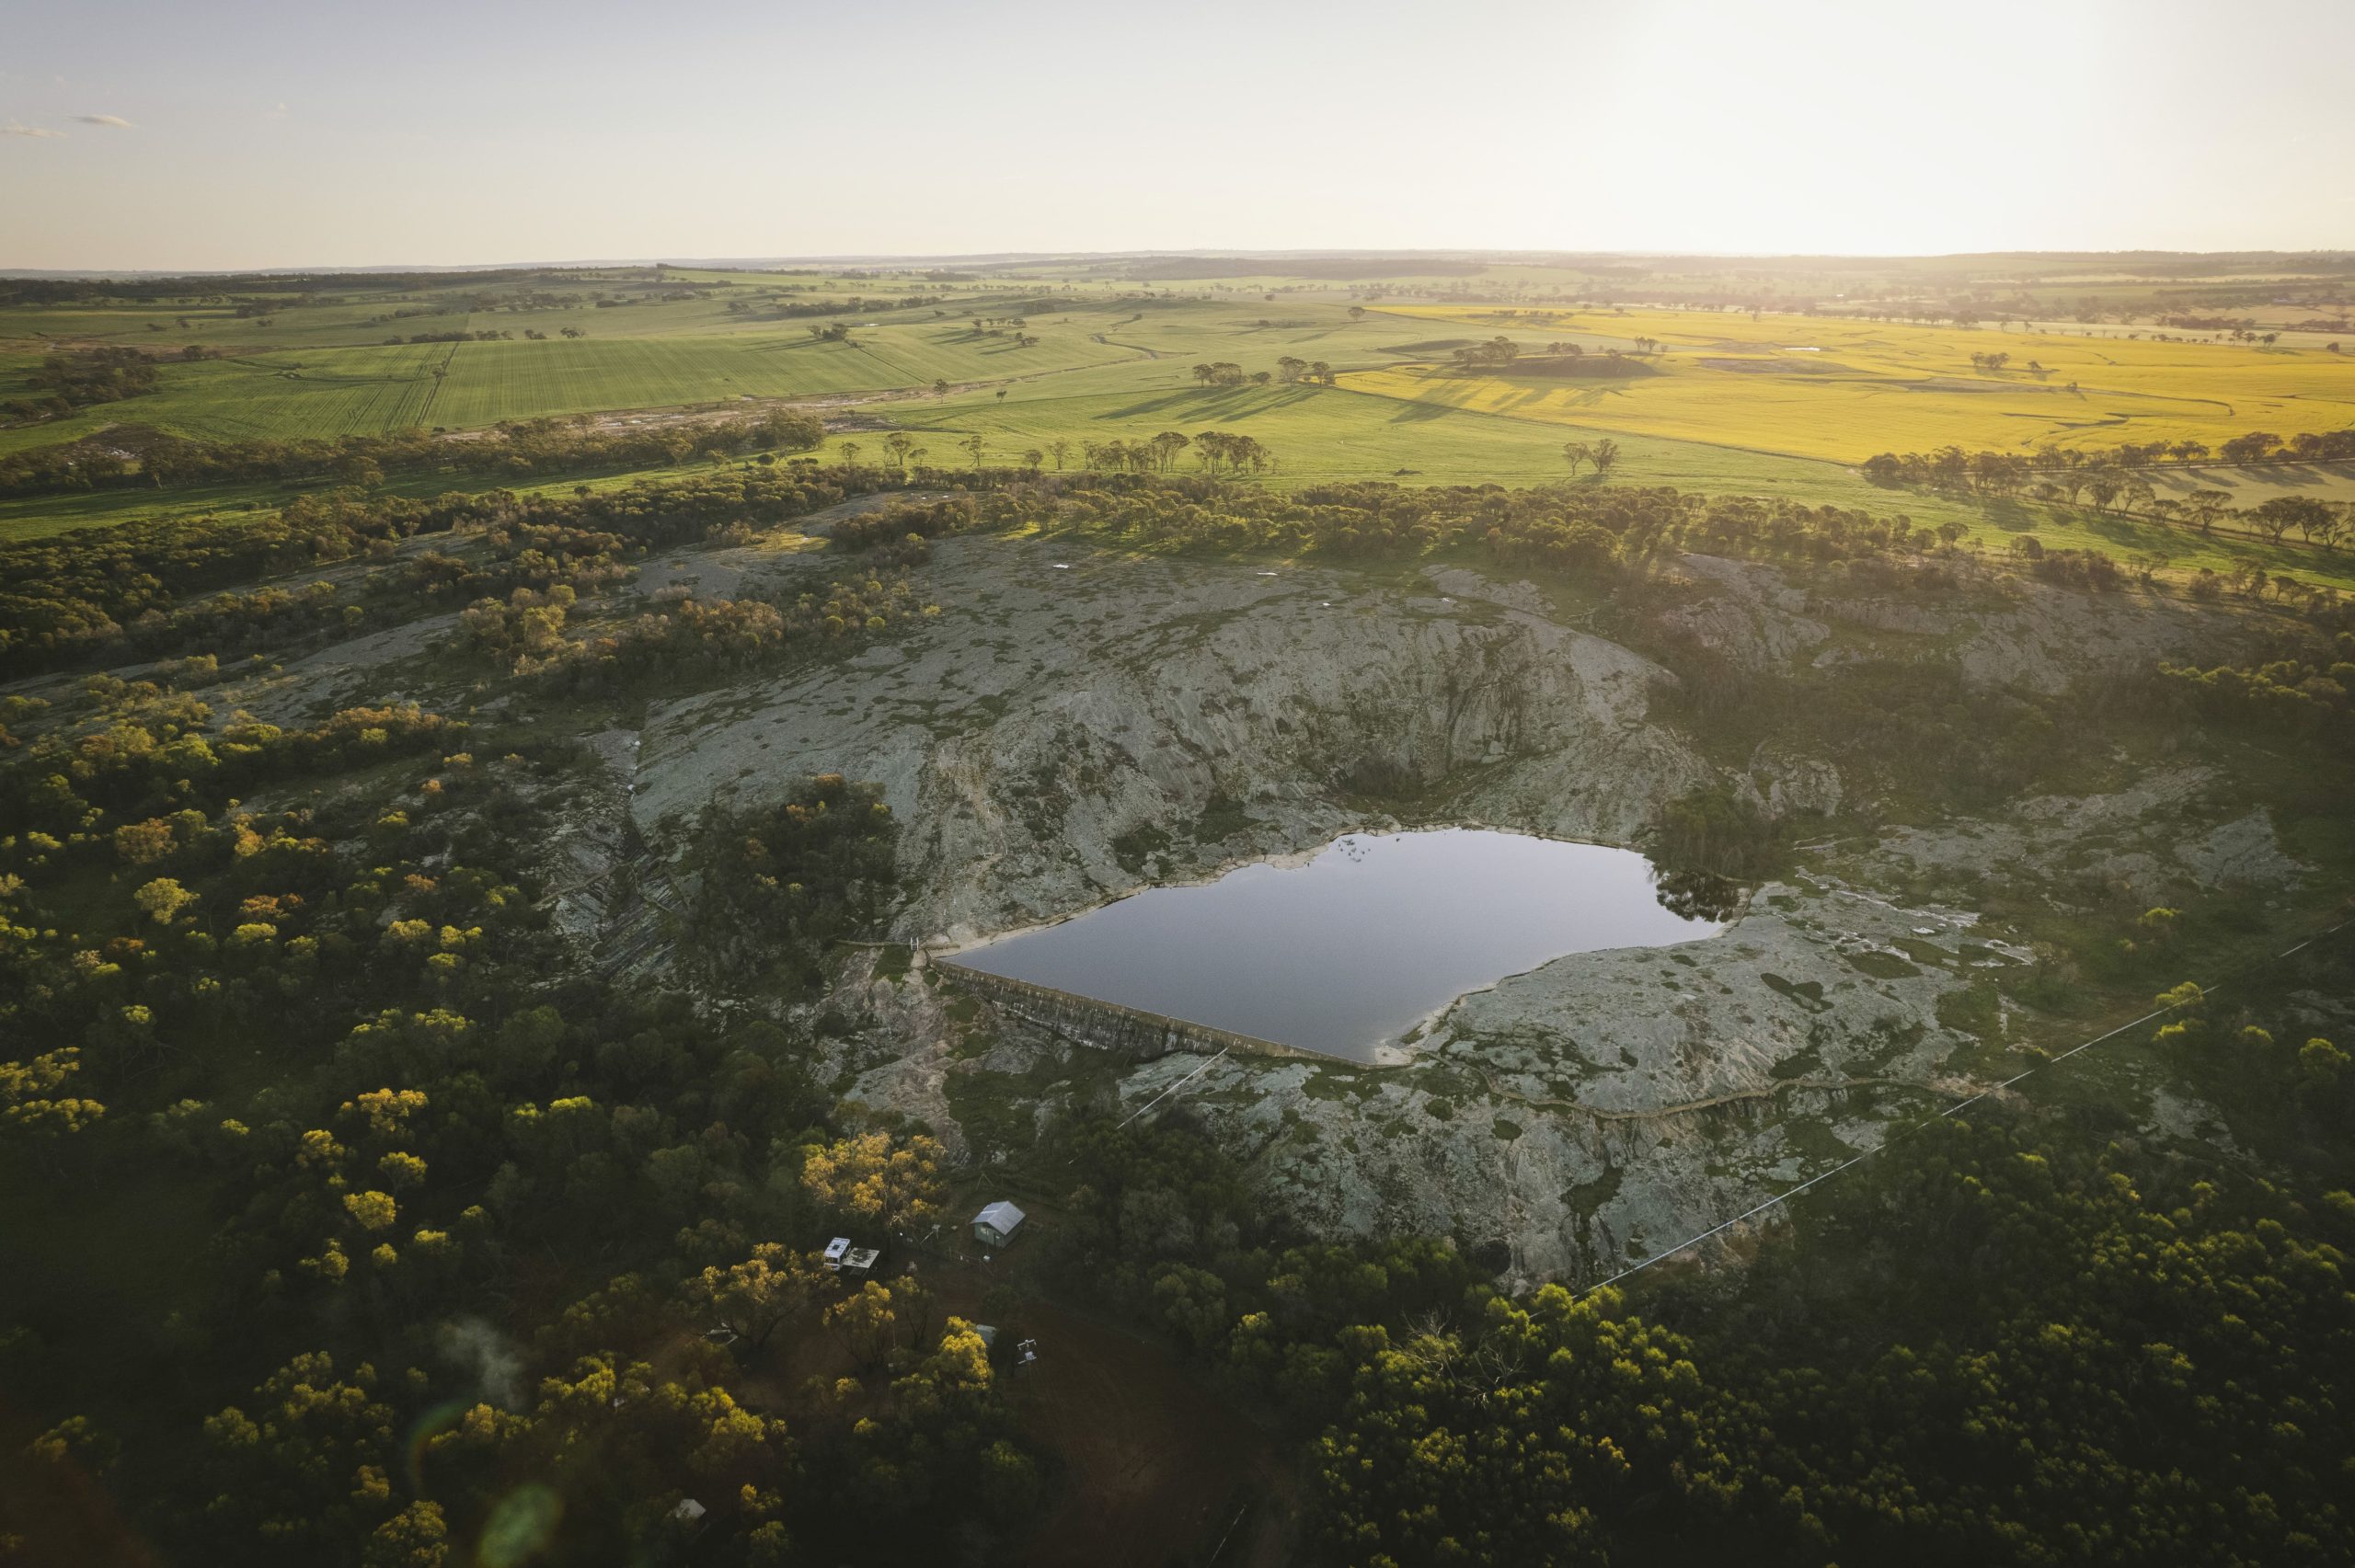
(1352, 947)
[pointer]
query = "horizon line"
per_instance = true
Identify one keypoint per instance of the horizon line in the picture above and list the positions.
(1002, 257)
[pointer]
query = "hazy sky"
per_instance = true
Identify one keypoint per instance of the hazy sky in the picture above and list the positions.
(180, 133)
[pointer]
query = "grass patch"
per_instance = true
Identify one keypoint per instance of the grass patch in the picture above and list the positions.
(1222, 817)
(995, 1110)
(1975, 1008)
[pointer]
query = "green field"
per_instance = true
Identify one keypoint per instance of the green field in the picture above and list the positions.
(1114, 344)
(328, 392)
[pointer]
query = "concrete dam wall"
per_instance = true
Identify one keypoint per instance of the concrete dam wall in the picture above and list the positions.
(1126, 1032)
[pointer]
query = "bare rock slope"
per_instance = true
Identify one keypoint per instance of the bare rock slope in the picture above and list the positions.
(1076, 724)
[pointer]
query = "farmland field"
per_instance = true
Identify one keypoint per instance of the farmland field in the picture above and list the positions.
(1810, 385)
(326, 391)
(281, 395)
(490, 382)
(1844, 389)
(1779, 400)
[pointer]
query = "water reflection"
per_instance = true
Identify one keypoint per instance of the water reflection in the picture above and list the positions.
(1352, 947)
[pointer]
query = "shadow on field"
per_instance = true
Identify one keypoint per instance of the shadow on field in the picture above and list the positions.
(2297, 476)
(1231, 402)
(796, 346)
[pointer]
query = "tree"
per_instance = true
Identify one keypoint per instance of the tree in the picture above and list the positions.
(871, 1175)
(30, 1100)
(1060, 447)
(865, 1323)
(1357, 312)
(752, 1297)
(941, 387)
(850, 455)
(2204, 506)
(163, 899)
(297, 1482)
(2341, 527)
(1517, 1442)
(1605, 456)
(2278, 516)
(414, 1537)
(897, 446)
(1576, 453)
(1497, 354)
(144, 843)
(972, 443)
(1216, 449)
(622, 1444)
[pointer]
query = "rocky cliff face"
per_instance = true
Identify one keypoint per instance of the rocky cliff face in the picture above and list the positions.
(2024, 633)
(1057, 736)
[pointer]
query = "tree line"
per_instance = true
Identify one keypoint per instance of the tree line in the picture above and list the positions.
(63, 383)
(1288, 369)
(95, 594)
(1953, 467)
(128, 458)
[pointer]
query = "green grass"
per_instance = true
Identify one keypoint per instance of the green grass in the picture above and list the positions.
(288, 395)
(325, 393)
(1322, 434)
(1110, 364)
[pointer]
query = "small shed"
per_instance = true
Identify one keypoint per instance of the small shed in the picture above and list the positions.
(859, 1262)
(995, 1226)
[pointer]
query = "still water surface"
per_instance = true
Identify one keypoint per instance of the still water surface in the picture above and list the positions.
(1352, 947)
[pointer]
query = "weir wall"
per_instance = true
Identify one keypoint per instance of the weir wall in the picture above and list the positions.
(1127, 1032)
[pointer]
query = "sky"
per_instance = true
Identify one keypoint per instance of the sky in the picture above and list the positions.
(186, 134)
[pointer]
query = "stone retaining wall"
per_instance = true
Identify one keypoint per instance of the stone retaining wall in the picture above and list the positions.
(1127, 1032)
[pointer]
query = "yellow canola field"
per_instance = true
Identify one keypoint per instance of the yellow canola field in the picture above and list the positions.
(1819, 386)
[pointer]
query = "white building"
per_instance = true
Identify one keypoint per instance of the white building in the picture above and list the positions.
(995, 1226)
